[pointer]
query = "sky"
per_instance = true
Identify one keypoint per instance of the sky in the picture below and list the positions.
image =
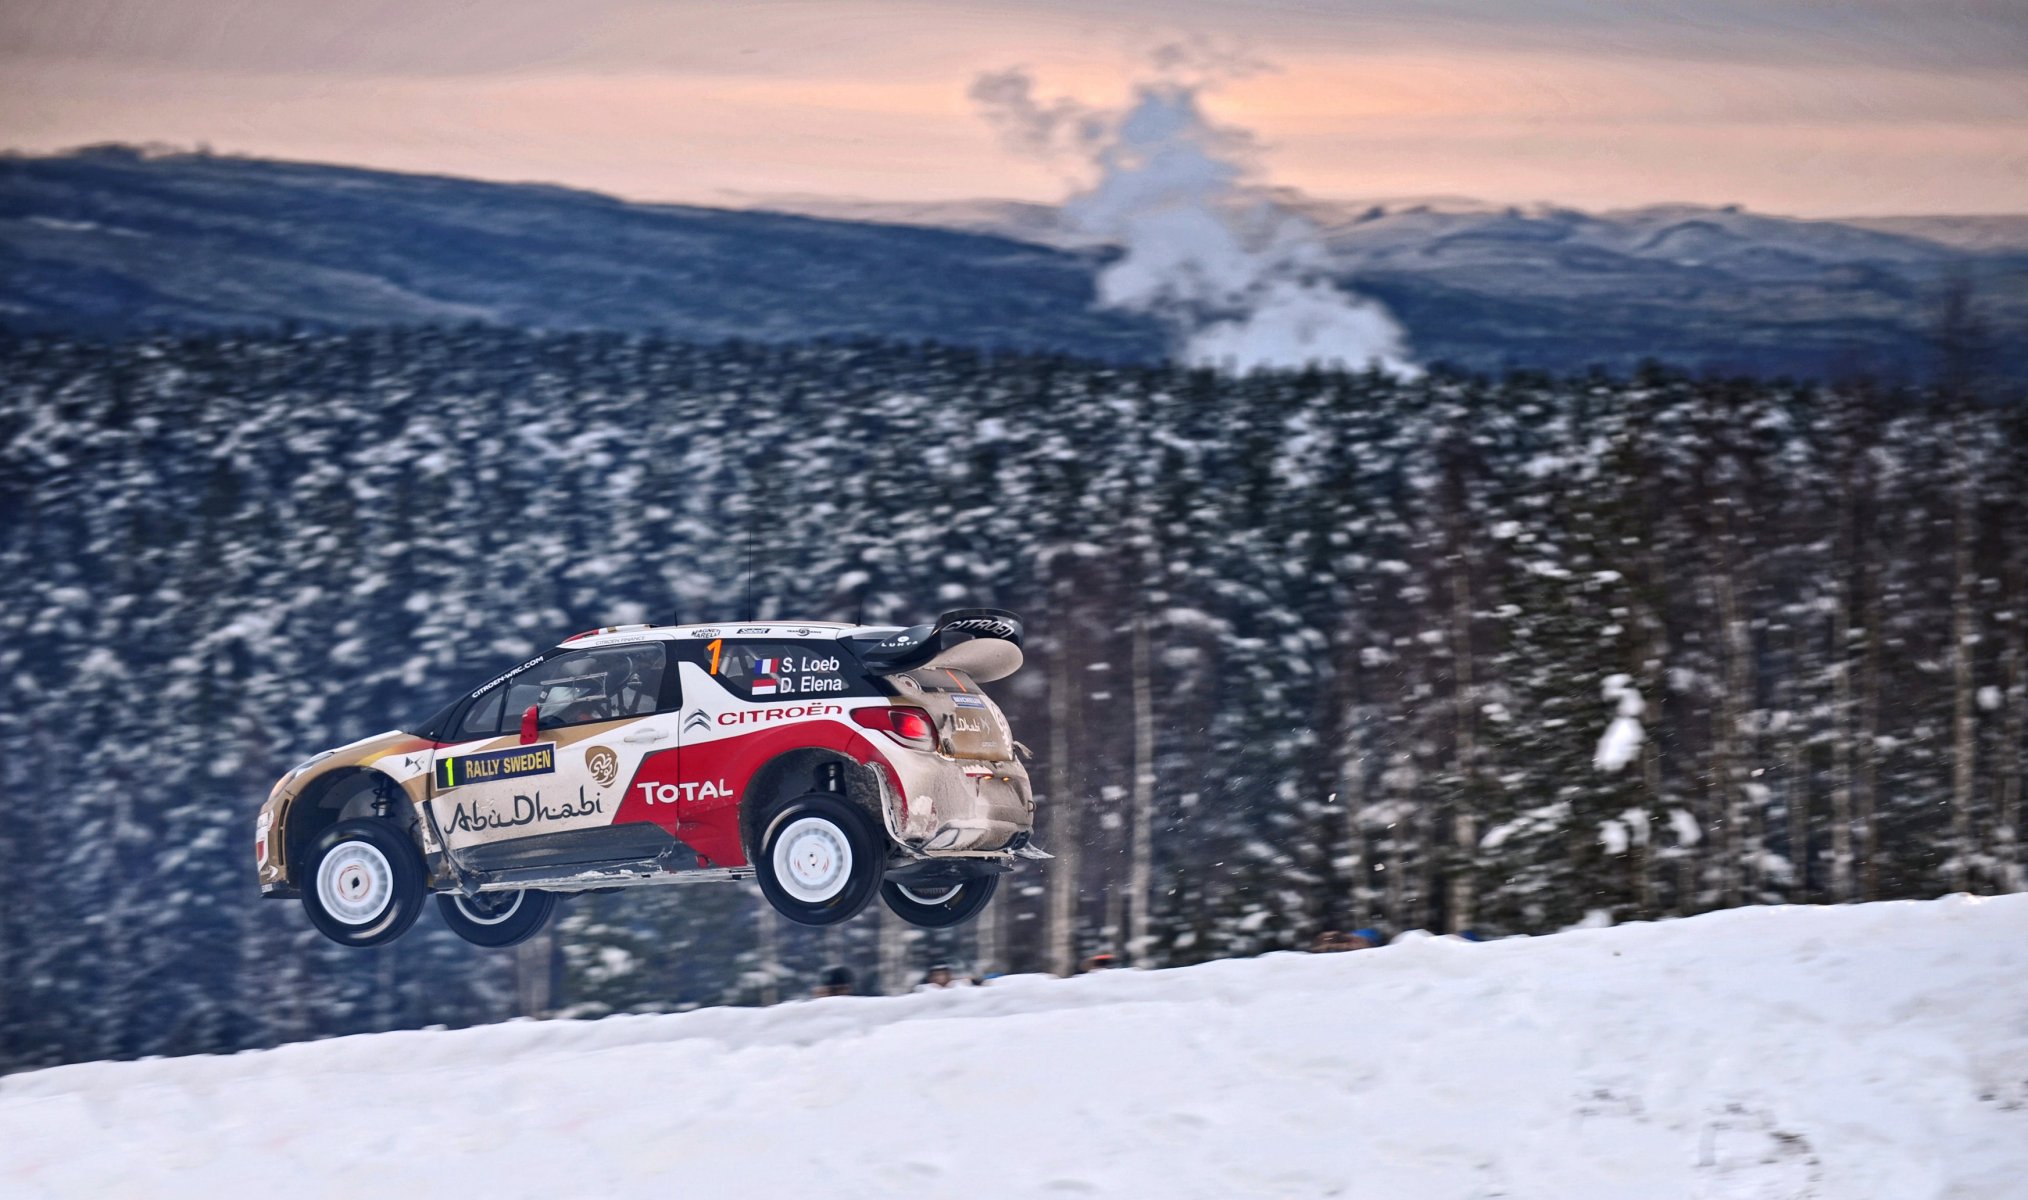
(1857, 107)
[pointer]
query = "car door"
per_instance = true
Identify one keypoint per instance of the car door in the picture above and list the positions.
(501, 799)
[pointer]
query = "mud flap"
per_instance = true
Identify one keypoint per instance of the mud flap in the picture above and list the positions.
(1023, 846)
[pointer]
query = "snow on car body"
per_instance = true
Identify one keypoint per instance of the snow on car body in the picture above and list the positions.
(830, 762)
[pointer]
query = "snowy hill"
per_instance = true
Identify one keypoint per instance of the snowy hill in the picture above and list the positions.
(115, 239)
(1874, 1051)
(1490, 285)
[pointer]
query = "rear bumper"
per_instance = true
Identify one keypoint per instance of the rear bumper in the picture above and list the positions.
(960, 807)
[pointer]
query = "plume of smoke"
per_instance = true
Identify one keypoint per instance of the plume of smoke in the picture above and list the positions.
(1242, 284)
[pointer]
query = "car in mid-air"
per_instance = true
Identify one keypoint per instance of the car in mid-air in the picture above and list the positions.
(830, 763)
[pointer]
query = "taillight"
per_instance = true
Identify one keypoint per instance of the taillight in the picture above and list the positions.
(909, 726)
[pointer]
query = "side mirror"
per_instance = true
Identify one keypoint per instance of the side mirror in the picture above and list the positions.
(528, 725)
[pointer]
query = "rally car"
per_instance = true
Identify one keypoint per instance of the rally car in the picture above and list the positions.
(827, 762)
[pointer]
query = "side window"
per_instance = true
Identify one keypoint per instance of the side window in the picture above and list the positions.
(763, 671)
(482, 719)
(607, 684)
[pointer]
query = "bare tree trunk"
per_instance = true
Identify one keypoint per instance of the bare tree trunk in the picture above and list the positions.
(765, 930)
(1140, 882)
(1796, 783)
(2013, 701)
(1742, 821)
(987, 956)
(1964, 719)
(1841, 718)
(534, 962)
(1352, 806)
(1422, 885)
(1064, 809)
(1728, 795)
(1464, 815)
(119, 920)
(1651, 747)
(894, 939)
(1643, 870)
(1394, 862)
(1869, 735)
(2007, 790)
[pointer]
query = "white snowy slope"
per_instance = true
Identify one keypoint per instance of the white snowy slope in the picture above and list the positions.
(1873, 1051)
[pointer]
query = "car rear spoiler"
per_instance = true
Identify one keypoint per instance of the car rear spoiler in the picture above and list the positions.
(916, 645)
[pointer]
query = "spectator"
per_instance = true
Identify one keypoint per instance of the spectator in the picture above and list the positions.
(939, 977)
(1363, 939)
(837, 981)
(1102, 961)
(1332, 941)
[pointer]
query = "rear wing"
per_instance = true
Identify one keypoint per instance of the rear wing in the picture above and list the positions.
(917, 645)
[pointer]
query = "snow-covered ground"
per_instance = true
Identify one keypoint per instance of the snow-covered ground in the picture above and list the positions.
(1874, 1051)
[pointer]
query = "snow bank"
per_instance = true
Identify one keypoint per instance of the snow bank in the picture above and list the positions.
(1873, 1051)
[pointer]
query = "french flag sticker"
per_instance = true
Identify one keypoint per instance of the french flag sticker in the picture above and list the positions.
(764, 677)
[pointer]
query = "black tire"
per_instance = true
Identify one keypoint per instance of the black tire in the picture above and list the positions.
(940, 905)
(496, 919)
(821, 860)
(363, 882)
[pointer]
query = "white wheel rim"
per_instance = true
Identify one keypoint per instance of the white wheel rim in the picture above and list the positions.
(355, 883)
(813, 860)
(479, 917)
(929, 898)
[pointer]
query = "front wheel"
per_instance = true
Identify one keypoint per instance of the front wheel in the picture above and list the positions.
(940, 905)
(820, 861)
(364, 882)
(496, 919)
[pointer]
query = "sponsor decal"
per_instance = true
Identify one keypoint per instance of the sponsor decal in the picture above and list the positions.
(799, 674)
(696, 720)
(603, 764)
(793, 712)
(968, 700)
(706, 632)
(814, 683)
(750, 629)
(490, 683)
(523, 810)
(989, 626)
(799, 631)
(496, 764)
(968, 725)
(671, 793)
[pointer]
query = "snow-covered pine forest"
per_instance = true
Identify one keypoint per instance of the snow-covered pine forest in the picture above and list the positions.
(1306, 651)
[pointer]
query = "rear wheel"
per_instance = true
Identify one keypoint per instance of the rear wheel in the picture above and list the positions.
(820, 861)
(496, 919)
(363, 882)
(940, 905)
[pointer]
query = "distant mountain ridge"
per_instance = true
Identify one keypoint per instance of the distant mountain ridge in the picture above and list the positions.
(1490, 285)
(113, 240)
